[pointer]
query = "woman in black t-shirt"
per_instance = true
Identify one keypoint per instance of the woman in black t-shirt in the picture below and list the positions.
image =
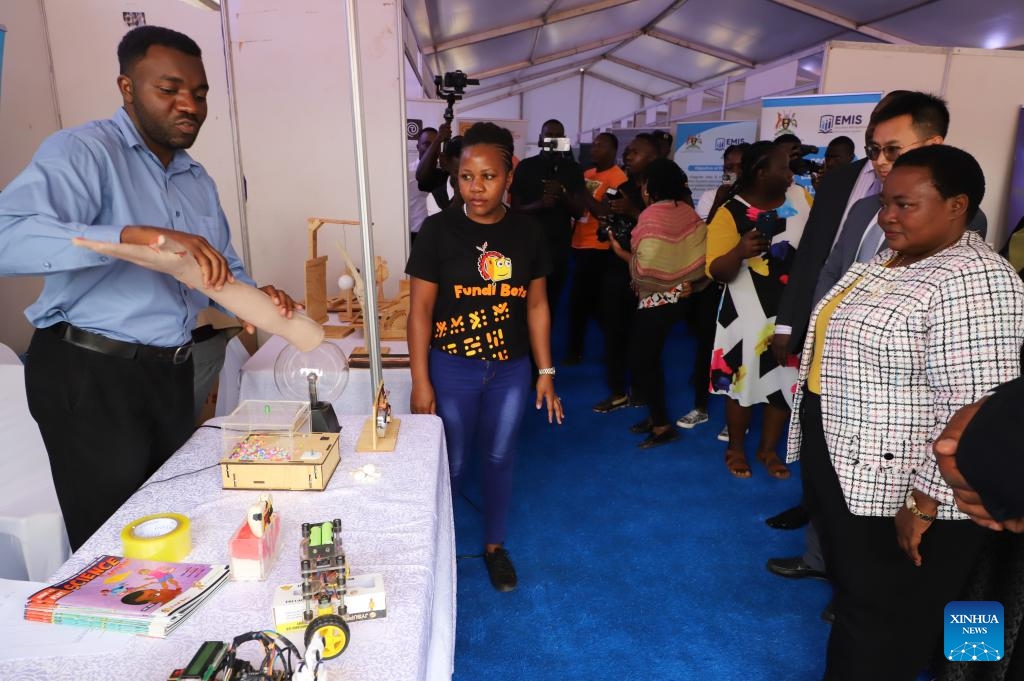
(478, 305)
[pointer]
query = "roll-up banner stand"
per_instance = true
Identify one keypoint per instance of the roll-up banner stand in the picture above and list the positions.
(699, 147)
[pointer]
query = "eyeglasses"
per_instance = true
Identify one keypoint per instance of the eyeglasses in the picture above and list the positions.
(890, 151)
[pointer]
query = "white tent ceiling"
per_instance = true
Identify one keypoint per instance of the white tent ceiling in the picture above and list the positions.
(657, 47)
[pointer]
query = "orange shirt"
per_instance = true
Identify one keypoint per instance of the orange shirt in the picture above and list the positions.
(584, 234)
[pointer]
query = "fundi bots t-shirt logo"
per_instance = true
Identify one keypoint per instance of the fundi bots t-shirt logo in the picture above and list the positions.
(973, 631)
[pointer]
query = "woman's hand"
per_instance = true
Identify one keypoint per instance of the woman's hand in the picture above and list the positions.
(423, 400)
(910, 529)
(752, 244)
(546, 393)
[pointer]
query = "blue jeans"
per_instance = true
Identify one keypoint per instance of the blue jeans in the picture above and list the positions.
(482, 402)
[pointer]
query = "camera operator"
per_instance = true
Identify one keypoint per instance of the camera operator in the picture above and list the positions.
(666, 261)
(619, 301)
(550, 188)
(590, 253)
(711, 199)
(429, 176)
(838, 153)
(447, 194)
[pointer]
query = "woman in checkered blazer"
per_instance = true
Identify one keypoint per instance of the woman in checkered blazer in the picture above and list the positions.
(893, 350)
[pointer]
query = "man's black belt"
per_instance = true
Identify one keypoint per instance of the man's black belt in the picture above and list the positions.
(123, 349)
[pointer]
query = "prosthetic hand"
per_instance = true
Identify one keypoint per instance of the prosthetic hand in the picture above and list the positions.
(242, 300)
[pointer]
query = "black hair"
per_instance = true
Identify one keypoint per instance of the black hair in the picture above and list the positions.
(550, 121)
(611, 137)
(650, 139)
(843, 141)
(663, 135)
(755, 158)
(453, 147)
(490, 133)
(928, 113)
(954, 172)
(666, 180)
(732, 148)
(136, 43)
(423, 130)
(788, 138)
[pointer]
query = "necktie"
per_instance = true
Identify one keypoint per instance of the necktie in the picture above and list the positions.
(873, 234)
(872, 239)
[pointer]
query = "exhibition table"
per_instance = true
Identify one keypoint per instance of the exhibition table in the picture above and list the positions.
(399, 526)
(257, 381)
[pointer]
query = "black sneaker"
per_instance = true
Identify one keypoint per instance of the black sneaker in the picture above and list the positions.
(500, 569)
(642, 427)
(658, 439)
(611, 404)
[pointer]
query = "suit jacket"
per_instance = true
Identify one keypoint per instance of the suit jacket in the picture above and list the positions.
(905, 349)
(991, 452)
(830, 201)
(847, 247)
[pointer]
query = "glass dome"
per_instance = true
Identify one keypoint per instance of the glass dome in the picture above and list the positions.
(327, 362)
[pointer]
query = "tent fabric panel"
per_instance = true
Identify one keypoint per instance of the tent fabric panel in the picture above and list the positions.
(761, 31)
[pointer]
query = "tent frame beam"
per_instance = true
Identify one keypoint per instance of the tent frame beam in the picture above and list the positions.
(537, 23)
(832, 18)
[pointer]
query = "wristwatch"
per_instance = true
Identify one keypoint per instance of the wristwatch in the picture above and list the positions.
(911, 505)
(550, 371)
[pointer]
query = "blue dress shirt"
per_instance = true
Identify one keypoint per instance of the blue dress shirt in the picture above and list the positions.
(92, 181)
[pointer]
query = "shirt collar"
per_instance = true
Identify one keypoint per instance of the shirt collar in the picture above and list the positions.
(180, 162)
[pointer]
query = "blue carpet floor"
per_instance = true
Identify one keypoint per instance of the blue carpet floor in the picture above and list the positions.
(636, 564)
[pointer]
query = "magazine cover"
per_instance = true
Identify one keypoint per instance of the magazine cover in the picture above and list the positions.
(147, 597)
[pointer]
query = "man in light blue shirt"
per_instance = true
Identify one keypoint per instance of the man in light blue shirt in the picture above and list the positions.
(109, 373)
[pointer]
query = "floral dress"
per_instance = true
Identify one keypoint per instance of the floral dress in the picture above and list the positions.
(743, 366)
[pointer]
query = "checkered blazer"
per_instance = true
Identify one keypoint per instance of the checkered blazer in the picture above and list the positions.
(906, 348)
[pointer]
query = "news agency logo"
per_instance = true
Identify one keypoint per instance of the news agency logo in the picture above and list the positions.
(973, 631)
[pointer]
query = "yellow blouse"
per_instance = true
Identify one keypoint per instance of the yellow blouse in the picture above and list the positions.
(824, 317)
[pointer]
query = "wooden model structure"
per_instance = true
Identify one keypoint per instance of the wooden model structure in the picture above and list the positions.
(393, 314)
(316, 278)
(380, 432)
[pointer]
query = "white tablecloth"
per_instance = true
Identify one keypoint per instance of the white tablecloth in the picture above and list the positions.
(400, 526)
(258, 377)
(33, 542)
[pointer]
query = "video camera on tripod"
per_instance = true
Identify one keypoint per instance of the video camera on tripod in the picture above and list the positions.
(451, 87)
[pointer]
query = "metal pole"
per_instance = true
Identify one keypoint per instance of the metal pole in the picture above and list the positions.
(236, 140)
(372, 337)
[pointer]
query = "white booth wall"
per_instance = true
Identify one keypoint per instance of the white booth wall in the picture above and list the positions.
(27, 115)
(297, 136)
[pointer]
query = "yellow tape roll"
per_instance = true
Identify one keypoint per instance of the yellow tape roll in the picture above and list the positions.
(162, 536)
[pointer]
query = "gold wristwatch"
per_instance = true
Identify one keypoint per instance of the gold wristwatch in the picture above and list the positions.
(911, 504)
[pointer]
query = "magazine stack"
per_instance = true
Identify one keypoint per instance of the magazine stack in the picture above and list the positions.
(144, 597)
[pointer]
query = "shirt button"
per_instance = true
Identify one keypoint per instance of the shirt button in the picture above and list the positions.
(104, 258)
(177, 213)
(47, 265)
